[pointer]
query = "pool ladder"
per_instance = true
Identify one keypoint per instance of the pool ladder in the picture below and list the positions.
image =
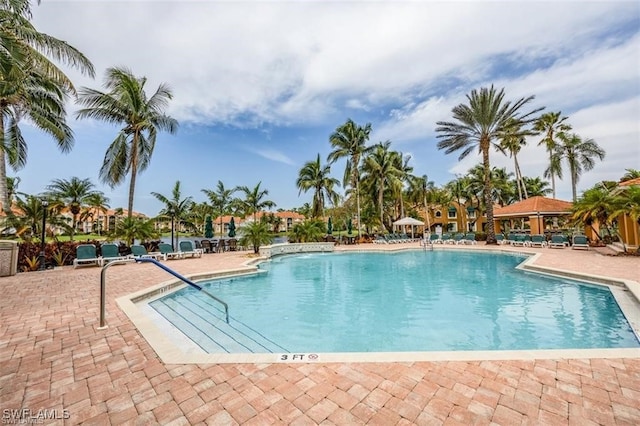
(103, 286)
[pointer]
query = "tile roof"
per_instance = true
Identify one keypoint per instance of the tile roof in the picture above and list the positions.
(630, 182)
(534, 205)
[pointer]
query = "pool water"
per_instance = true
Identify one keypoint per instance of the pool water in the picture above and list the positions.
(406, 301)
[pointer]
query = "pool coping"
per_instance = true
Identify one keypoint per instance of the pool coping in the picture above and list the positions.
(171, 351)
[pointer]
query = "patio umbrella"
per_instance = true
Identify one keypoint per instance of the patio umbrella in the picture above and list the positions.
(329, 227)
(349, 226)
(232, 228)
(208, 227)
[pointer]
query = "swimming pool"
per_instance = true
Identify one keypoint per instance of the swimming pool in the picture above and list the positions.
(398, 302)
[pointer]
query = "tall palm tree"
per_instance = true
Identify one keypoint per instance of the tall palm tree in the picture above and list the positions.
(176, 208)
(380, 172)
(315, 176)
(402, 165)
(580, 155)
(221, 199)
(75, 194)
(254, 201)
(421, 191)
(98, 203)
(512, 142)
(348, 141)
(477, 125)
(551, 124)
(142, 117)
(32, 86)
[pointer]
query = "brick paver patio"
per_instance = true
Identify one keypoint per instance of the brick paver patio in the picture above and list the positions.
(53, 357)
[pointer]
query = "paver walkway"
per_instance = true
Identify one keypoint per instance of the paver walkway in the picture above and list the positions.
(53, 357)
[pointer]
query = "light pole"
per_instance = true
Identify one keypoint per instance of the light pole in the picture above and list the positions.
(41, 262)
(540, 230)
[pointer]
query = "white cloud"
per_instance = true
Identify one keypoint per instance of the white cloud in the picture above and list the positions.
(272, 155)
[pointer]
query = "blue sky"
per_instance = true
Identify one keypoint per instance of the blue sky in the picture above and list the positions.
(259, 86)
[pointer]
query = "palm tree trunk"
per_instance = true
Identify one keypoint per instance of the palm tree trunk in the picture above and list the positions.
(358, 206)
(574, 179)
(491, 232)
(517, 169)
(553, 177)
(4, 193)
(380, 204)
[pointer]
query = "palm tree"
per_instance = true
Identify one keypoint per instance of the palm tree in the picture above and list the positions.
(487, 117)
(253, 199)
(142, 118)
(311, 230)
(595, 205)
(133, 228)
(75, 194)
(421, 191)
(580, 155)
(402, 165)
(551, 124)
(98, 203)
(315, 176)
(380, 172)
(630, 174)
(536, 186)
(221, 199)
(32, 86)
(348, 141)
(512, 142)
(627, 201)
(176, 208)
(255, 234)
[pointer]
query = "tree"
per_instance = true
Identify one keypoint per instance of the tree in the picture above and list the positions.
(536, 186)
(380, 172)
(255, 234)
(421, 191)
(551, 124)
(630, 174)
(580, 155)
(595, 205)
(311, 230)
(512, 142)
(254, 199)
(348, 141)
(75, 194)
(477, 125)
(126, 103)
(402, 165)
(315, 176)
(132, 228)
(176, 208)
(221, 200)
(32, 86)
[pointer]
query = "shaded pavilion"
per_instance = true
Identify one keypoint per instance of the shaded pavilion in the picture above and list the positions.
(535, 210)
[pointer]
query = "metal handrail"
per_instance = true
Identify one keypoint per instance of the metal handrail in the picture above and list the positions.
(103, 286)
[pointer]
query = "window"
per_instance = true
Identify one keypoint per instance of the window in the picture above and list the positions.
(452, 213)
(438, 214)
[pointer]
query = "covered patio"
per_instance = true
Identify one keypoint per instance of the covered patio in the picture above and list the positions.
(535, 211)
(408, 221)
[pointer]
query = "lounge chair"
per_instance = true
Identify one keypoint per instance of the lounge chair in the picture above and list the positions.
(558, 241)
(187, 249)
(468, 238)
(457, 238)
(538, 240)
(500, 239)
(110, 253)
(140, 251)
(434, 239)
(580, 242)
(446, 238)
(511, 237)
(206, 246)
(167, 251)
(521, 240)
(380, 239)
(86, 256)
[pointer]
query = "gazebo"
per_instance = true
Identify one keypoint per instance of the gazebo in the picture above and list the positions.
(405, 221)
(535, 209)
